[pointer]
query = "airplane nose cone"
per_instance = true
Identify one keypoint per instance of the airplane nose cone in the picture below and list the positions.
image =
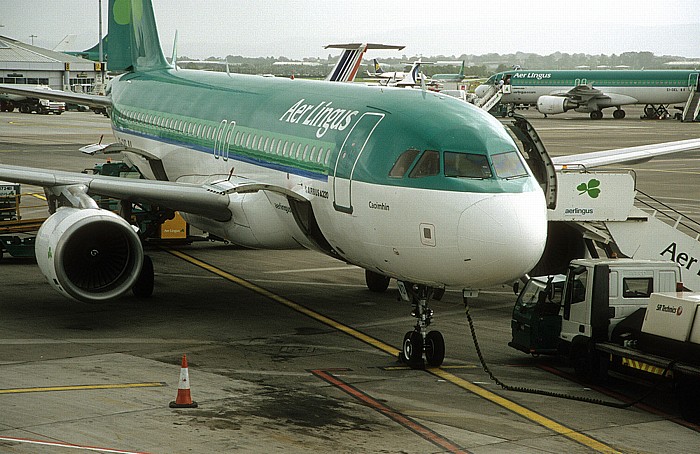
(481, 90)
(503, 236)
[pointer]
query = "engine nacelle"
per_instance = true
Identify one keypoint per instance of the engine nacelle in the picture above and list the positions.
(554, 104)
(90, 255)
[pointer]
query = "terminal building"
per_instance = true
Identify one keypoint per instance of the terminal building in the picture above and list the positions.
(22, 63)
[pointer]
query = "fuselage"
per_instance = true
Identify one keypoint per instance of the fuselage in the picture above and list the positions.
(633, 86)
(386, 171)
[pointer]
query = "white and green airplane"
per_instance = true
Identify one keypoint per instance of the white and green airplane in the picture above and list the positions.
(591, 91)
(459, 77)
(407, 184)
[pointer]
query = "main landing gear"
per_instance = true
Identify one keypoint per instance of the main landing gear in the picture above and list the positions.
(420, 341)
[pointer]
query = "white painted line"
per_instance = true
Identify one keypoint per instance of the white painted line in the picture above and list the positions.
(67, 445)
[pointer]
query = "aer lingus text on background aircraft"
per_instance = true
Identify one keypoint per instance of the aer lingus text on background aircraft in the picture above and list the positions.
(406, 184)
(557, 91)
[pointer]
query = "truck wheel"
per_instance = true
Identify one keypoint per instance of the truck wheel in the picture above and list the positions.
(589, 364)
(688, 396)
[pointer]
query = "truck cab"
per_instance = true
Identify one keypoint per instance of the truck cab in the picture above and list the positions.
(599, 293)
(552, 313)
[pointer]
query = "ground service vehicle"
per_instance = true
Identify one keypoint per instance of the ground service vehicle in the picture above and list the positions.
(31, 105)
(616, 314)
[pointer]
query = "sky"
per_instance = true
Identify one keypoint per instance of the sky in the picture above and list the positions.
(297, 29)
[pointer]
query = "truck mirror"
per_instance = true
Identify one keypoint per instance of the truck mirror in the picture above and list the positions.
(516, 287)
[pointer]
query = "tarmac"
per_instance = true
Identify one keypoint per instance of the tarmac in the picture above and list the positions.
(289, 352)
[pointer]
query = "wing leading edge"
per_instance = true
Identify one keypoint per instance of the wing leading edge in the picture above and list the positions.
(210, 200)
(58, 95)
(630, 155)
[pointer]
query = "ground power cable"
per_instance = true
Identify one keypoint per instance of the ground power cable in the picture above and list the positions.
(558, 395)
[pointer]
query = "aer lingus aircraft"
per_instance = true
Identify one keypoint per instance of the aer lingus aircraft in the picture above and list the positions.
(407, 184)
(557, 91)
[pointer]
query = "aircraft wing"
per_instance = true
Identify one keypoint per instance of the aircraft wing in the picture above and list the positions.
(630, 155)
(210, 200)
(57, 95)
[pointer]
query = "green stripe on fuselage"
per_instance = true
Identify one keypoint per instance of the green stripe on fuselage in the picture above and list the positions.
(318, 115)
(599, 78)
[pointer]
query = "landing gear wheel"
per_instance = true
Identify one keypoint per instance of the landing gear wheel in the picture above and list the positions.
(143, 288)
(412, 349)
(596, 115)
(434, 348)
(619, 114)
(376, 282)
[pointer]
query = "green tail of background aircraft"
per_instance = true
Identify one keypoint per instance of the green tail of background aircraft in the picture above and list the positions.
(407, 184)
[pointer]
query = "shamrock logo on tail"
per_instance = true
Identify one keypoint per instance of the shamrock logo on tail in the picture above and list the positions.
(592, 188)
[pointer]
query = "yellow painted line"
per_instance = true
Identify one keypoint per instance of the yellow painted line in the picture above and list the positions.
(524, 412)
(81, 387)
(38, 196)
(290, 304)
(438, 372)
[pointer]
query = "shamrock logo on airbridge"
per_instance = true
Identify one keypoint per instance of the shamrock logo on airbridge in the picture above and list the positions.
(592, 188)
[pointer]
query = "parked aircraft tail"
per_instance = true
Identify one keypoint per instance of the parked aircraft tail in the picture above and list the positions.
(133, 37)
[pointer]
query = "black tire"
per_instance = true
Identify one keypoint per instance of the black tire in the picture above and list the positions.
(434, 348)
(143, 288)
(688, 398)
(438, 293)
(412, 349)
(596, 115)
(619, 114)
(376, 282)
(589, 365)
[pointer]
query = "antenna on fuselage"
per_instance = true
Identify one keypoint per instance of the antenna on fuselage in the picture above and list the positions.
(174, 59)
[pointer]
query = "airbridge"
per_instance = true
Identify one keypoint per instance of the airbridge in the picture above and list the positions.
(614, 217)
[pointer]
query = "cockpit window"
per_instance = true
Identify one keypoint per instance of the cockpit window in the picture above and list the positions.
(427, 165)
(508, 165)
(466, 165)
(404, 162)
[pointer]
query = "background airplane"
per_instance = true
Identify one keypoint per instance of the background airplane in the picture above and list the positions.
(406, 184)
(557, 91)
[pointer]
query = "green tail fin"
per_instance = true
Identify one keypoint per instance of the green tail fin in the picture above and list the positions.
(133, 37)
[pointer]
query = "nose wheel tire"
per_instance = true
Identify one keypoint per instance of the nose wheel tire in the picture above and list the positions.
(412, 349)
(434, 348)
(376, 282)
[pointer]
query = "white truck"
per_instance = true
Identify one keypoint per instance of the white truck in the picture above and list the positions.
(616, 314)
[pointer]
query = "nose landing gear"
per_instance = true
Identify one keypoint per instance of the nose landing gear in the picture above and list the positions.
(420, 341)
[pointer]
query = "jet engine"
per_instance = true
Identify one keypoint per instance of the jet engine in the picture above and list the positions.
(554, 104)
(90, 255)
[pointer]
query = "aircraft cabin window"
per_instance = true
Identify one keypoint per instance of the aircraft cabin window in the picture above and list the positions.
(247, 142)
(428, 165)
(508, 165)
(236, 138)
(279, 144)
(403, 163)
(284, 150)
(312, 156)
(266, 148)
(467, 165)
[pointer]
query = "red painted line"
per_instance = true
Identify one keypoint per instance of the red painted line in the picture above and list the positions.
(68, 445)
(419, 429)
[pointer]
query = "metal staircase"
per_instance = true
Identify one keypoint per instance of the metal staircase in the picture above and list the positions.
(655, 231)
(692, 106)
(490, 99)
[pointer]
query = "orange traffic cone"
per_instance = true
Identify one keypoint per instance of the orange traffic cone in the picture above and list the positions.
(183, 399)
